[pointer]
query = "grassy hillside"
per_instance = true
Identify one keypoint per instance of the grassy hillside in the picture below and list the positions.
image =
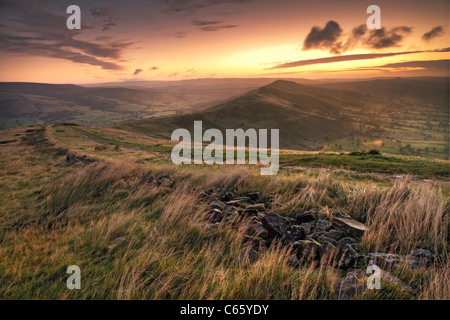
(138, 240)
(398, 116)
(31, 103)
(303, 119)
(322, 118)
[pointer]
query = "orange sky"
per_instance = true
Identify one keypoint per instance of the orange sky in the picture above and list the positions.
(181, 39)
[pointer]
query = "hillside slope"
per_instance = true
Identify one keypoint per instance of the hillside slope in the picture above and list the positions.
(31, 103)
(304, 115)
(399, 116)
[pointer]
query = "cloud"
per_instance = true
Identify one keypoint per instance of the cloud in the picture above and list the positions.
(425, 64)
(325, 38)
(196, 22)
(212, 25)
(382, 38)
(38, 32)
(137, 71)
(153, 68)
(350, 57)
(105, 14)
(433, 33)
(217, 28)
(330, 38)
(190, 7)
(418, 67)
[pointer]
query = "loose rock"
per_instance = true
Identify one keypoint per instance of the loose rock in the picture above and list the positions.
(275, 224)
(307, 216)
(350, 226)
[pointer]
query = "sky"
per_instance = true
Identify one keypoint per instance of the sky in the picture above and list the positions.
(188, 39)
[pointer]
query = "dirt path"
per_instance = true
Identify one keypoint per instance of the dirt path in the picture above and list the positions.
(105, 143)
(374, 174)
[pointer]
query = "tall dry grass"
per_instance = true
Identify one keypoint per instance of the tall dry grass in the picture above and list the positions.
(140, 241)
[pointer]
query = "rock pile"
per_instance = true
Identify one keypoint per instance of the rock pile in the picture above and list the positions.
(312, 239)
(73, 159)
(416, 259)
(163, 181)
(333, 241)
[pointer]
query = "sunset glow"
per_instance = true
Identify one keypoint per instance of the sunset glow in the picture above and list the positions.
(170, 40)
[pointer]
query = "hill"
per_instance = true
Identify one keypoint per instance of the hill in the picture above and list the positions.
(407, 116)
(32, 103)
(306, 116)
(341, 116)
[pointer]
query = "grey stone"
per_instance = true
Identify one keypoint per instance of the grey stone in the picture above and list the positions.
(288, 238)
(306, 216)
(276, 225)
(348, 241)
(307, 249)
(349, 288)
(347, 257)
(148, 177)
(340, 214)
(306, 228)
(328, 252)
(165, 182)
(256, 207)
(323, 239)
(256, 229)
(215, 215)
(254, 196)
(323, 225)
(350, 226)
(216, 204)
(334, 234)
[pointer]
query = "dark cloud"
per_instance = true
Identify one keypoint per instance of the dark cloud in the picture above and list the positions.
(153, 68)
(105, 14)
(196, 22)
(190, 7)
(325, 38)
(212, 25)
(383, 38)
(137, 71)
(426, 64)
(441, 50)
(39, 32)
(377, 39)
(217, 28)
(41, 47)
(426, 67)
(433, 33)
(330, 38)
(350, 57)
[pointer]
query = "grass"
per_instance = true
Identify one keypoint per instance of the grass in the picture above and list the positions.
(363, 162)
(424, 168)
(138, 241)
